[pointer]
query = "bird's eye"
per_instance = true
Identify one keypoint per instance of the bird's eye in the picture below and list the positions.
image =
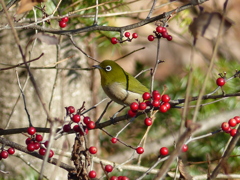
(108, 68)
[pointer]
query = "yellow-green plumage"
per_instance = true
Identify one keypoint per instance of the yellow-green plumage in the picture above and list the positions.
(119, 85)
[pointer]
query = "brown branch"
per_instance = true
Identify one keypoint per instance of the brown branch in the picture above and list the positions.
(111, 28)
(17, 65)
(173, 103)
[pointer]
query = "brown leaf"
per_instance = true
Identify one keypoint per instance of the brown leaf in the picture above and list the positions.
(27, 5)
(207, 25)
(184, 175)
(50, 40)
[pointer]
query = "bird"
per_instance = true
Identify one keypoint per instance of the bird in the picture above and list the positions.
(119, 85)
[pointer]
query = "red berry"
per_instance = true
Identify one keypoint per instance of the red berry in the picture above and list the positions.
(76, 118)
(114, 40)
(28, 141)
(142, 106)
(70, 110)
(92, 174)
(232, 122)
(42, 151)
(66, 127)
(91, 125)
(165, 98)
(156, 96)
(127, 34)
(169, 37)
(36, 145)
(134, 106)
(85, 130)
(135, 35)
(108, 168)
(114, 140)
(237, 119)
(114, 178)
(159, 29)
(225, 126)
(11, 150)
(151, 38)
(165, 34)
(92, 150)
(184, 148)
(124, 178)
(140, 150)
(31, 130)
(155, 103)
(86, 120)
(146, 96)
(62, 24)
(51, 153)
(39, 137)
(167, 105)
(76, 128)
(155, 92)
(163, 151)
(163, 108)
(220, 81)
(148, 121)
(131, 113)
(164, 29)
(4, 154)
(31, 147)
(46, 144)
(65, 19)
(233, 132)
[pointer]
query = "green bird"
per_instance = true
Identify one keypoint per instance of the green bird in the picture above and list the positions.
(119, 85)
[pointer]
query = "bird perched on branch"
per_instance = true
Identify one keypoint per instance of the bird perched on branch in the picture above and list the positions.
(119, 85)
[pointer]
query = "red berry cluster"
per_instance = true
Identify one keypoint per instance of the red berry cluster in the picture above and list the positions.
(161, 32)
(108, 168)
(156, 100)
(78, 118)
(35, 142)
(227, 126)
(114, 40)
(119, 178)
(63, 22)
(4, 153)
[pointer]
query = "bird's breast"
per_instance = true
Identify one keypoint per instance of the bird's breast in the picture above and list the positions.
(120, 95)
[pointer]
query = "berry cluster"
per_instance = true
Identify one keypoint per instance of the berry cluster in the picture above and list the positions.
(63, 22)
(119, 178)
(4, 153)
(161, 32)
(108, 168)
(227, 126)
(35, 142)
(156, 100)
(114, 40)
(78, 118)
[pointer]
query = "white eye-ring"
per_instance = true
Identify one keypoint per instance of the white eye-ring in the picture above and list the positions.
(108, 68)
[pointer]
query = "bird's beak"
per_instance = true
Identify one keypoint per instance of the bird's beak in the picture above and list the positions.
(97, 66)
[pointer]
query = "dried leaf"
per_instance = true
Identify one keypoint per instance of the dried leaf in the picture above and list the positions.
(207, 25)
(27, 5)
(184, 175)
(50, 40)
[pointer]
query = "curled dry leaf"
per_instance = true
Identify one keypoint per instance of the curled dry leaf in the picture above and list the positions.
(207, 25)
(184, 175)
(50, 40)
(27, 5)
